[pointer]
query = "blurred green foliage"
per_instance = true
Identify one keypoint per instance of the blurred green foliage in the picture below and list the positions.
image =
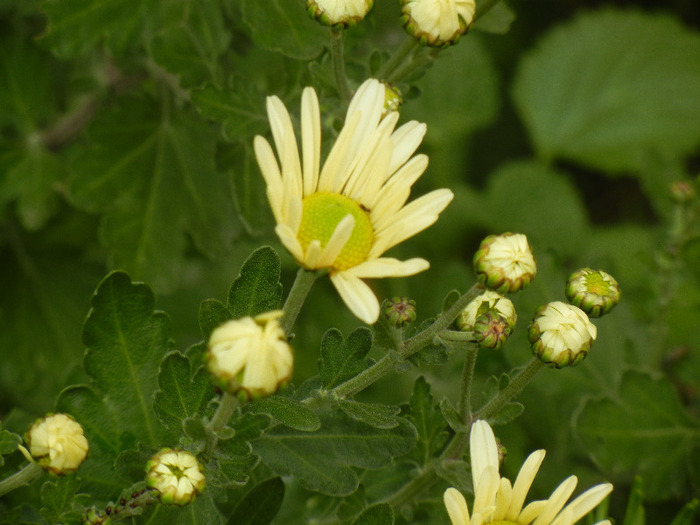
(126, 143)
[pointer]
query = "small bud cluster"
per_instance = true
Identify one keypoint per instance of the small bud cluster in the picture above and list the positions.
(127, 506)
(491, 317)
(392, 98)
(399, 311)
(58, 443)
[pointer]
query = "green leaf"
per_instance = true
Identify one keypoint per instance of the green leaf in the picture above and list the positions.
(513, 409)
(497, 20)
(644, 429)
(457, 473)
(431, 354)
(154, 180)
(240, 112)
(475, 94)
(428, 420)
(8, 444)
(283, 26)
(191, 48)
(377, 514)
(77, 26)
(257, 289)
(212, 313)
(322, 461)
(372, 414)
(181, 393)
(558, 219)
(59, 501)
(612, 89)
(288, 412)
(260, 505)
(343, 359)
(126, 341)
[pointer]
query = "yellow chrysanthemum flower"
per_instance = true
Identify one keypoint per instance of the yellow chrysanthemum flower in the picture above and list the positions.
(345, 215)
(497, 502)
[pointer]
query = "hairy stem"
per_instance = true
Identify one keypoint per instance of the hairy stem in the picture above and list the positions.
(341, 80)
(218, 421)
(297, 295)
(20, 478)
(516, 385)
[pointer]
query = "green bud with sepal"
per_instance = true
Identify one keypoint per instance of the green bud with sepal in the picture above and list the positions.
(593, 291)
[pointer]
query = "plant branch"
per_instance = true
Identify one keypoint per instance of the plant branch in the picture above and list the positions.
(338, 61)
(218, 421)
(297, 295)
(20, 478)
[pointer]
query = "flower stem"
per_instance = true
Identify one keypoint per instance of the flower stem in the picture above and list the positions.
(218, 421)
(516, 385)
(460, 441)
(341, 80)
(385, 72)
(387, 363)
(300, 289)
(21, 477)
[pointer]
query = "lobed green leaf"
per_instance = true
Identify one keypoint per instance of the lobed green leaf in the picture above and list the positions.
(644, 429)
(322, 461)
(612, 89)
(428, 421)
(372, 414)
(182, 392)
(377, 514)
(287, 411)
(257, 289)
(260, 505)
(343, 359)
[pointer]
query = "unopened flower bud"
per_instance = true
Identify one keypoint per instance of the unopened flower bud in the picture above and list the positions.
(250, 355)
(392, 98)
(491, 317)
(491, 330)
(399, 311)
(95, 517)
(505, 263)
(593, 291)
(176, 475)
(682, 192)
(437, 23)
(58, 443)
(561, 334)
(341, 13)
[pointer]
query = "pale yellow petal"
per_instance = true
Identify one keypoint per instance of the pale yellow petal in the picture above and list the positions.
(483, 451)
(413, 218)
(337, 241)
(406, 140)
(290, 241)
(523, 482)
(358, 297)
(395, 191)
(310, 139)
(557, 500)
(388, 267)
(456, 507)
(586, 502)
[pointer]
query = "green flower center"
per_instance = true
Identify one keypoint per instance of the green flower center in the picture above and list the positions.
(321, 214)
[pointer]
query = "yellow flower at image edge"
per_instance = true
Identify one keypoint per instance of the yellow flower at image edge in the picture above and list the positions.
(344, 216)
(338, 12)
(176, 475)
(58, 442)
(250, 355)
(497, 501)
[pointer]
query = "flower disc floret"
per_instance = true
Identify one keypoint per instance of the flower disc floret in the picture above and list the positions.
(561, 334)
(58, 442)
(593, 291)
(504, 263)
(341, 13)
(437, 22)
(250, 355)
(497, 501)
(345, 214)
(176, 475)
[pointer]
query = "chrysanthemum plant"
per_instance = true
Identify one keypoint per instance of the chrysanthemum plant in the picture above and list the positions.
(391, 423)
